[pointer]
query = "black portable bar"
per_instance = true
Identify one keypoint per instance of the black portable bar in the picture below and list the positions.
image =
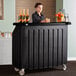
(39, 46)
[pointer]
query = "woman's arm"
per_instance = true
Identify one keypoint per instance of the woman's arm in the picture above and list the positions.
(35, 19)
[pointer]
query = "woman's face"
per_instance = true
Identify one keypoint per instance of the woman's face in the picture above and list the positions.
(39, 8)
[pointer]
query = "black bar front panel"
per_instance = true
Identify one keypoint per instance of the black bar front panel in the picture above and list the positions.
(39, 47)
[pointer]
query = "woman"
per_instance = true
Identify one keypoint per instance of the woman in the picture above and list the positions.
(38, 17)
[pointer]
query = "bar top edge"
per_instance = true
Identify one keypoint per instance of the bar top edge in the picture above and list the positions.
(43, 24)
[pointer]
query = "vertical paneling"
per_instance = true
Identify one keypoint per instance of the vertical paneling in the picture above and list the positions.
(64, 45)
(16, 48)
(41, 50)
(33, 46)
(28, 47)
(31, 49)
(25, 46)
(55, 47)
(40, 47)
(36, 49)
(60, 46)
(50, 48)
(45, 48)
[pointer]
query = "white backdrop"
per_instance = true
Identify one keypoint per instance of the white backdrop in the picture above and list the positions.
(70, 7)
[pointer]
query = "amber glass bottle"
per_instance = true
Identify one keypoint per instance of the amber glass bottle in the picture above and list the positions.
(23, 16)
(20, 16)
(27, 15)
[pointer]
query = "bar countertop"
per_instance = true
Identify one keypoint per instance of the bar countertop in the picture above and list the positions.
(42, 24)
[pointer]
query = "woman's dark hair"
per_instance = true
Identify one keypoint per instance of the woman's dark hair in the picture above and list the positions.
(37, 4)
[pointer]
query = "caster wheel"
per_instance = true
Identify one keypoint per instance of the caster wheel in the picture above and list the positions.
(16, 69)
(21, 72)
(64, 67)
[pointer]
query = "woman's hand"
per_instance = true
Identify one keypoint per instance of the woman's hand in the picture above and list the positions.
(47, 20)
(43, 21)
